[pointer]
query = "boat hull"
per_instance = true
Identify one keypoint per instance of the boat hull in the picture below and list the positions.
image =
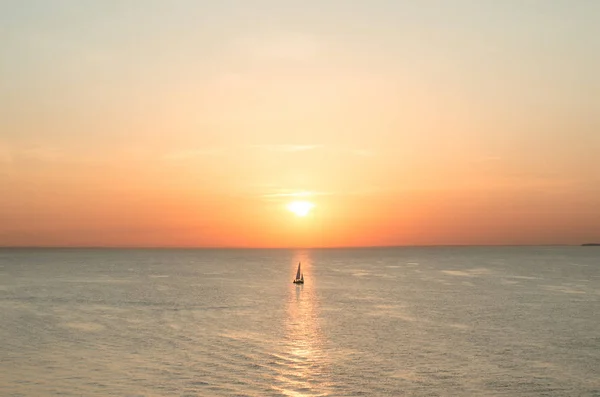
(298, 281)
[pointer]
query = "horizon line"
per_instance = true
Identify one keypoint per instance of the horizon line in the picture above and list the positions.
(159, 247)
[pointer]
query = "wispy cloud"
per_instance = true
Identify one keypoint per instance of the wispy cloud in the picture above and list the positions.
(298, 194)
(487, 159)
(42, 153)
(49, 154)
(189, 154)
(45, 42)
(5, 155)
(284, 46)
(294, 194)
(362, 153)
(6, 160)
(287, 148)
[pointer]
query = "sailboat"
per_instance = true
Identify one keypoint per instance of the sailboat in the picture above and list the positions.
(299, 276)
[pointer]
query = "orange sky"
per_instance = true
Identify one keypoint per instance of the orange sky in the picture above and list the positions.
(142, 124)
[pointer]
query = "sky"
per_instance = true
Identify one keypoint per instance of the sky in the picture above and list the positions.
(194, 123)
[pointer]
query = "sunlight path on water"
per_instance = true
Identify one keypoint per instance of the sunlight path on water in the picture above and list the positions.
(304, 340)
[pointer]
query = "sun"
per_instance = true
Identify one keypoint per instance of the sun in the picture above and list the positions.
(300, 208)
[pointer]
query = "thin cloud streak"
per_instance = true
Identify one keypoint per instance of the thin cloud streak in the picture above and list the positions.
(43, 153)
(362, 153)
(295, 194)
(299, 194)
(487, 159)
(282, 46)
(287, 148)
(5, 155)
(302, 148)
(182, 155)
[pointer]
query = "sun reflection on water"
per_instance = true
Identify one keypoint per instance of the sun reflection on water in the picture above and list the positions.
(307, 372)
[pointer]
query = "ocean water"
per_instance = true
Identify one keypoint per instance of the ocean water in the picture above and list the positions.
(480, 321)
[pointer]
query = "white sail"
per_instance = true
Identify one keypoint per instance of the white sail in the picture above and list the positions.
(298, 272)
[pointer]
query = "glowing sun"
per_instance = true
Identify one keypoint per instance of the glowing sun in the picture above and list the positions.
(300, 208)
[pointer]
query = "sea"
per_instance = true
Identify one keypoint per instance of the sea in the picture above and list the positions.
(408, 321)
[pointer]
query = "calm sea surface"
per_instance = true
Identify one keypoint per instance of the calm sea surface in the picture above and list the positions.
(368, 322)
